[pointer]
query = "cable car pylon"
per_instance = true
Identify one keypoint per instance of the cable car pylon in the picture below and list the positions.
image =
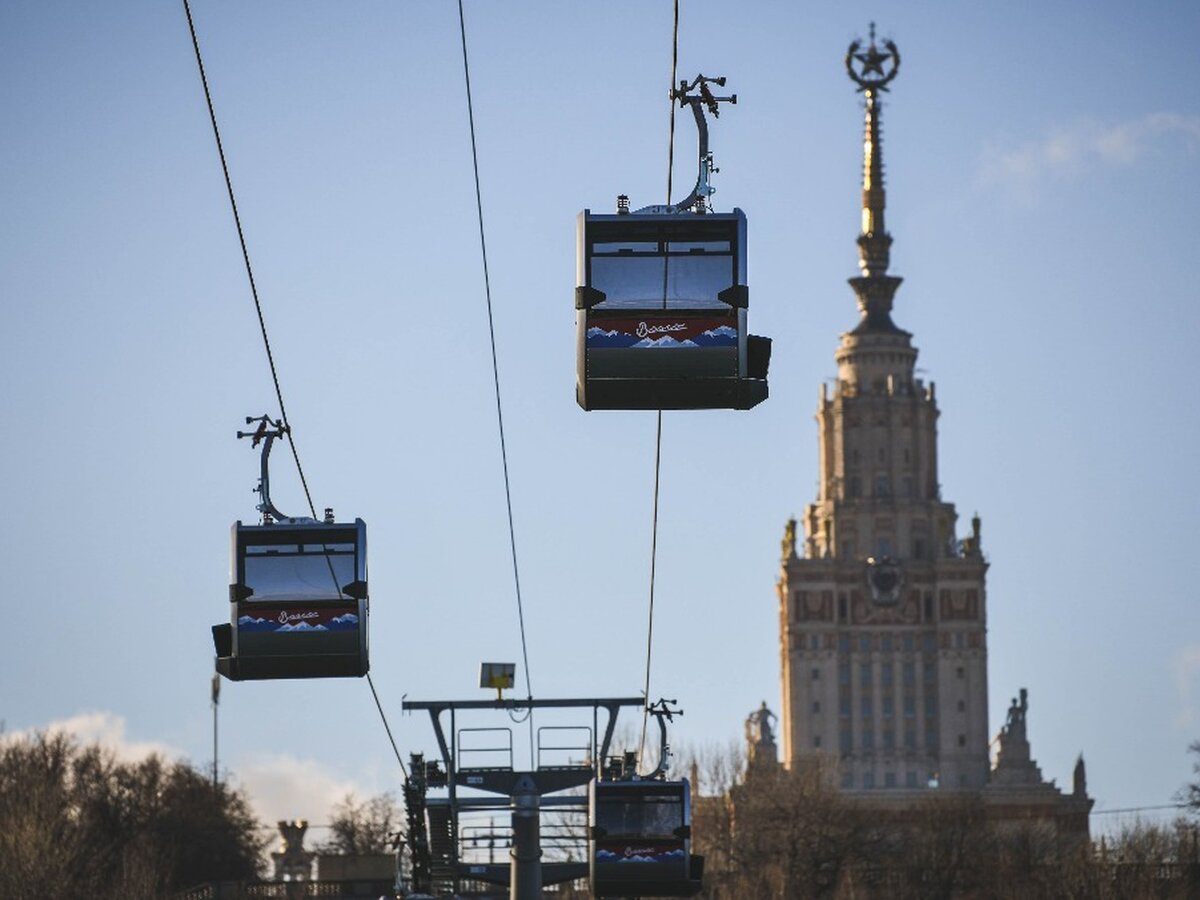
(638, 827)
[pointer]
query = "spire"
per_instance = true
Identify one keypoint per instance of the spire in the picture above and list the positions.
(872, 70)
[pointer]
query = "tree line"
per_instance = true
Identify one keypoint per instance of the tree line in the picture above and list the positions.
(774, 834)
(77, 822)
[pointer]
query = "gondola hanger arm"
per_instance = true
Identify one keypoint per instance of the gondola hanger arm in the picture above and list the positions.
(703, 98)
(267, 431)
(663, 713)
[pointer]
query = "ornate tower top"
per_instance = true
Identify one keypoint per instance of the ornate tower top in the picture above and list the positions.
(872, 70)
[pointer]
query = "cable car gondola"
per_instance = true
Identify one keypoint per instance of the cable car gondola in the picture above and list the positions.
(297, 594)
(641, 838)
(661, 300)
(640, 828)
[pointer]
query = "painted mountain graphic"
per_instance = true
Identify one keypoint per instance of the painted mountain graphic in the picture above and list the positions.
(251, 623)
(607, 856)
(344, 622)
(598, 337)
(717, 337)
(301, 626)
(666, 342)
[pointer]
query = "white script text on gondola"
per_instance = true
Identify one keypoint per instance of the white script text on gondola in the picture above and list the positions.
(644, 330)
(639, 851)
(285, 617)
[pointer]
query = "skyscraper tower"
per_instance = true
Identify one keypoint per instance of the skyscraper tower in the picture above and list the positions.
(882, 609)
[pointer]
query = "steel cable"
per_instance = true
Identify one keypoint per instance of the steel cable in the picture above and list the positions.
(262, 322)
(658, 429)
(487, 288)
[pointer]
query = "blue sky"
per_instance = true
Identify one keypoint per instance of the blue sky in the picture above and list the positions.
(1041, 192)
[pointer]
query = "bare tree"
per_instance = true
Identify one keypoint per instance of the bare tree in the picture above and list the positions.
(1189, 794)
(362, 828)
(768, 832)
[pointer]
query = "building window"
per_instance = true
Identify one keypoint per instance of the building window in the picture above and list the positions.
(961, 673)
(928, 607)
(864, 675)
(885, 674)
(844, 706)
(816, 674)
(910, 706)
(844, 643)
(909, 673)
(868, 740)
(885, 643)
(930, 706)
(889, 779)
(929, 639)
(883, 547)
(816, 740)
(816, 706)
(908, 643)
(918, 548)
(843, 673)
(847, 781)
(864, 643)
(959, 640)
(855, 487)
(868, 779)
(867, 708)
(929, 672)
(962, 705)
(814, 642)
(842, 617)
(910, 739)
(910, 779)
(962, 740)
(931, 738)
(908, 489)
(844, 744)
(888, 707)
(889, 740)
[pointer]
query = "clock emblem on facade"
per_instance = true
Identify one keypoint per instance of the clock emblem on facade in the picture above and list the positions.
(885, 579)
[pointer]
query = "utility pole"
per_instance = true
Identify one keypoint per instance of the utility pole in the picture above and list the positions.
(216, 696)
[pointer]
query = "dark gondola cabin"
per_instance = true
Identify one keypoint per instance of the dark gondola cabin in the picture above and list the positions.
(298, 601)
(640, 839)
(660, 316)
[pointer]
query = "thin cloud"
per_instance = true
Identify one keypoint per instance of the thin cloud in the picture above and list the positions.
(283, 787)
(1187, 679)
(1085, 145)
(106, 729)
